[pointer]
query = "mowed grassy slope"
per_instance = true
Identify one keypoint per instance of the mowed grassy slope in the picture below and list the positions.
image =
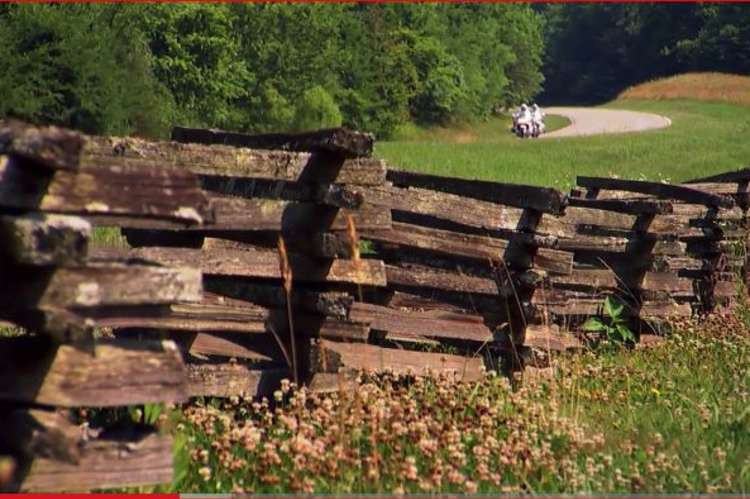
(713, 87)
(705, 138)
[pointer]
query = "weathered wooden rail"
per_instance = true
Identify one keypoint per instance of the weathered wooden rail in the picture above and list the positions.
(376, 263)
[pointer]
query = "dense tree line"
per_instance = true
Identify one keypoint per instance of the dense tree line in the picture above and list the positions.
(594, 51)
(113, 68)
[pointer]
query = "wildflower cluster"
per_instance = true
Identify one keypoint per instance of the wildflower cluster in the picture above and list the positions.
(669, 418)
(392, 434)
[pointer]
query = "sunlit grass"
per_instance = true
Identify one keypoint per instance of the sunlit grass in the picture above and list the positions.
(494, 130)
(714, 87)
(704, 138)
(108, 237)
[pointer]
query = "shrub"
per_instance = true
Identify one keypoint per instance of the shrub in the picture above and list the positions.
(317, 109)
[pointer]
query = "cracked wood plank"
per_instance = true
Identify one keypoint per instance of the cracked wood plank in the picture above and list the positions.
(34, 370)
(330, 356)
(338, 141)
(542, 199)
(105, 463)
(113, 188)
(658, 189)
(39, 239)
(253, 262)
(240, 163)
(97, 284)
(234, 379)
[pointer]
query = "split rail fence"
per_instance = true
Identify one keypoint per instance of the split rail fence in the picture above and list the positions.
(254, 258)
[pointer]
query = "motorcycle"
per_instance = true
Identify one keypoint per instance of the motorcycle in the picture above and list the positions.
(523, 128)
(527, 125)
(538, 128)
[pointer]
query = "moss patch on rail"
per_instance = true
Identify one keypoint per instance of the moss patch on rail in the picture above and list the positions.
(705, 138)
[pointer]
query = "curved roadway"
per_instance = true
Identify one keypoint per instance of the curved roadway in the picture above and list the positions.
(595, 121)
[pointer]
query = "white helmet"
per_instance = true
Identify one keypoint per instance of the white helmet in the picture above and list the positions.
(524, 107)
(535, 107)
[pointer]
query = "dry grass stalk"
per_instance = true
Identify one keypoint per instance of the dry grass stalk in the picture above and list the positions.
(351, 232)
(286, 278)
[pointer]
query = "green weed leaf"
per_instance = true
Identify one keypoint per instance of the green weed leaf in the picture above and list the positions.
(613, 309)
(594, 324)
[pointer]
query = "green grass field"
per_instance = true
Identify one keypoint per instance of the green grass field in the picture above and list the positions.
(704, 138)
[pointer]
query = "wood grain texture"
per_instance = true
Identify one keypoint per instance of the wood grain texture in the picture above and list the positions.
(39, 239)
(230, 379)
(118, 373)
(111, 187)
(259, 263)
(338, 141)
(238, 162)
(103, 464)
(330, 356)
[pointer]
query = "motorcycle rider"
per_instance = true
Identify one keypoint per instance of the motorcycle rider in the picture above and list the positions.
(523, 117)
(516, 115)
(537, 117)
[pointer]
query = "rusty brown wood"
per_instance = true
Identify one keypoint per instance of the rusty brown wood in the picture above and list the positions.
(435, 208)
(658, 189)
(542, 199)
(33, 370)
(330, 356)
(262, 348)
(234, 379)
(418, 324)
(253, 262)
(51, 146)
(105, 463)
(338, 141)
(227, 161)
(39, 239)
(328, 303)
(234, 214)
(416, 276)
(550, 338)
(482, 248)
(212, 314)
(112, 187)
(97, 284)
(631, 207)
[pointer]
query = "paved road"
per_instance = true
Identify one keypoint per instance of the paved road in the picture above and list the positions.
(588, 121)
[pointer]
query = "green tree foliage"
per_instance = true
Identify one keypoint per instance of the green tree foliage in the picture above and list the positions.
(82, 66)
(317, 109)
(196, 55)
(595, 51)
(263, 67)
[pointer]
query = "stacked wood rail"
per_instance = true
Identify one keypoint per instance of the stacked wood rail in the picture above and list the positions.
(55, 286)
(254, 258)
(270, 310)
(436, 272)
(466, 250)
(665, 250)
